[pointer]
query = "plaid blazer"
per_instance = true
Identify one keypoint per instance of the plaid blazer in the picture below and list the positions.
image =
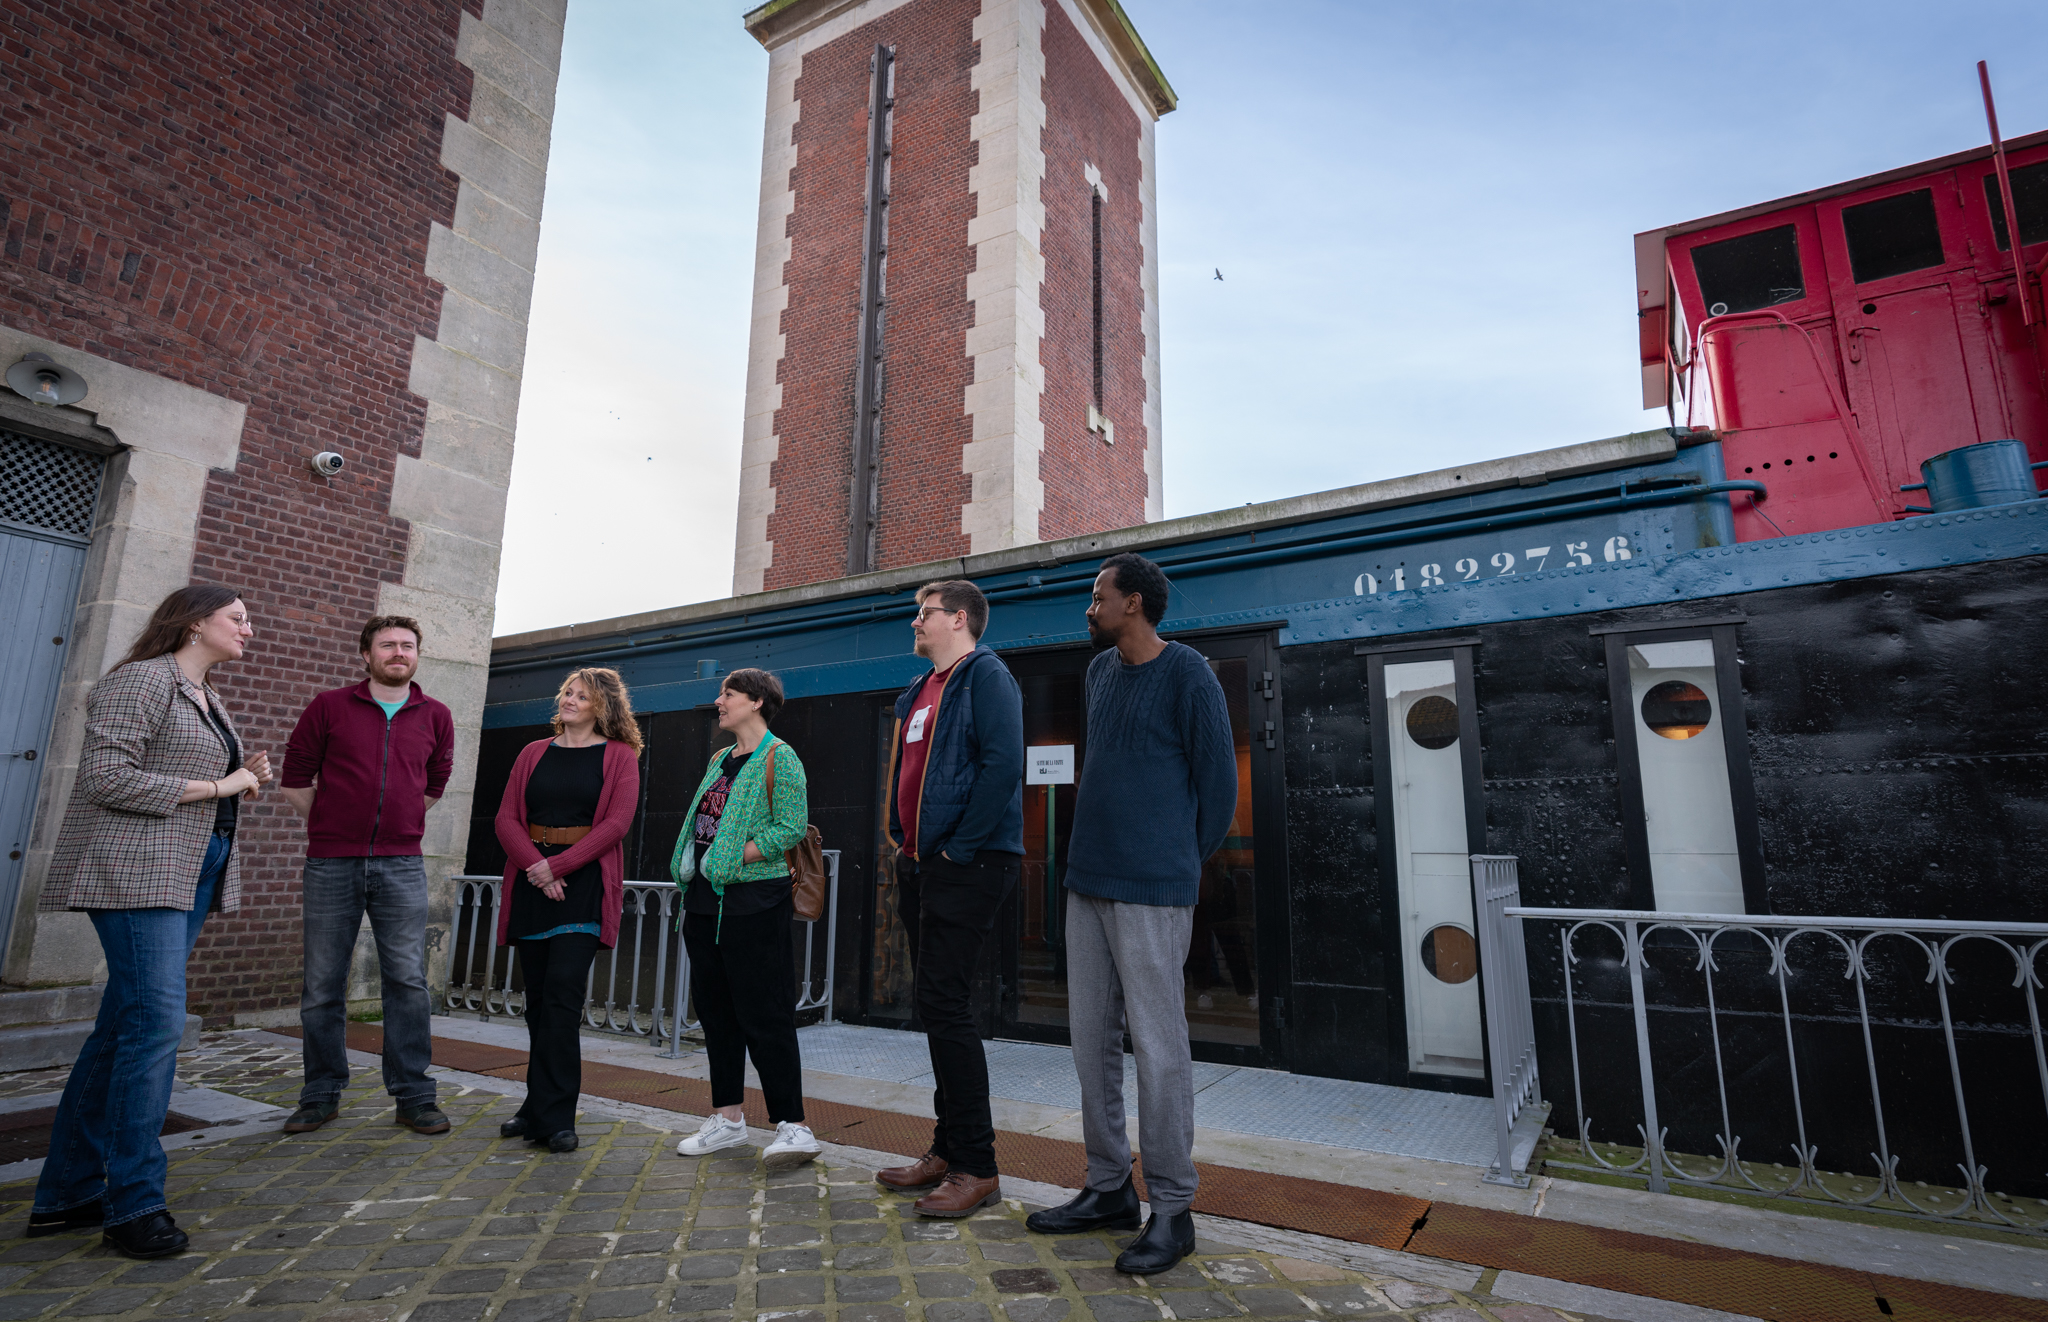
(127, 842)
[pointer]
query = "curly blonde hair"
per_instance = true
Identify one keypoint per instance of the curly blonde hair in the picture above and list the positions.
(614, 705)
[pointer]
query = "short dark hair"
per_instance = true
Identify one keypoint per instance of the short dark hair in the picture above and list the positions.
(957, 594)
(1134, 573)
(380, 623)
(758, 684)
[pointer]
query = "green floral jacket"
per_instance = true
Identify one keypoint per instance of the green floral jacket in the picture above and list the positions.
(747, 816)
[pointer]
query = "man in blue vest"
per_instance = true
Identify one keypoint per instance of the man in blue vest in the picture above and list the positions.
(957, 818)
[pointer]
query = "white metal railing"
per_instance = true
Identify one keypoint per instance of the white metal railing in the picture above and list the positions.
(1741, 972)
(1510, 1022)
(646, 975)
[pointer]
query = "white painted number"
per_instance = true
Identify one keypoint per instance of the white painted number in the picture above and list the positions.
(1504, 561)
(1539, 554)
(1366, 585)
(1469, 568)
(1617, 548)
(1400, 579)
(1575, 553)
(1432, 576)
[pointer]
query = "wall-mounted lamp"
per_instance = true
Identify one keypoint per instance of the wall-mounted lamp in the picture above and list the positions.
(37, 378)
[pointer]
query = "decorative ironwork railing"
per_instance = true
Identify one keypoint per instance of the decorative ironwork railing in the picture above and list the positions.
(1809, 1030)
(1510, 1023)
(639, 987)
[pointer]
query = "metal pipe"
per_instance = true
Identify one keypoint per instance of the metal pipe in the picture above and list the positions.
(1779, 920)
(2012, 212)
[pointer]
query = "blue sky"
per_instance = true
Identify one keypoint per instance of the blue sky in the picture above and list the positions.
(1422, 213)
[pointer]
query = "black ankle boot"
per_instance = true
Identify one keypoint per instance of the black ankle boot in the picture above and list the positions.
(1167, 1239)
(1089, 1210)
(513, 1128)
(152, 1236)
(565, 1141)
(85, 1216)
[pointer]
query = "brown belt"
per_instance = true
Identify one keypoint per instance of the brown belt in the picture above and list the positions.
(556, 835)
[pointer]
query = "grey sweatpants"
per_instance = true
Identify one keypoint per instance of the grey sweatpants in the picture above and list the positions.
(1124, 972)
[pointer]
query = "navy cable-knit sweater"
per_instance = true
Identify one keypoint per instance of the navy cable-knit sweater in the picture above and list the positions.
(1159, 787)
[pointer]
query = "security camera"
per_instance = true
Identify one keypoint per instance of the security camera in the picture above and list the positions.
(327, 463)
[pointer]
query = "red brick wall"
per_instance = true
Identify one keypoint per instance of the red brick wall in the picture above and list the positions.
(924, 419)
(1089, 486)
(237, 196)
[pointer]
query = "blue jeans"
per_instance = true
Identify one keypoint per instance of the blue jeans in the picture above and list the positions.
(393, 892)
(104, 1144)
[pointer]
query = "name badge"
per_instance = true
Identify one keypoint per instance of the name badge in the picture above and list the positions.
(914, 733)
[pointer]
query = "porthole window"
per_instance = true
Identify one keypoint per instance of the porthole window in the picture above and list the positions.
(1677, 710)
(1433, 722)
(1449, 954)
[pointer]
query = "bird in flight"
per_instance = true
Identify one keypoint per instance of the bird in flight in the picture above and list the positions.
(1219, 273)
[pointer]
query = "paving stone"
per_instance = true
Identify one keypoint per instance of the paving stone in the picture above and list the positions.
(583, 1223)
(11, 1276)
(14, 1307)
(1296, 1269)
(412, 1255)
(778, 1236)
(930, 1230)
(719, 1239)
(788, 1291)
(1180, 1276)
(162, 1272)
(71, 1274)
(1027, 1280)
(788, 1260)
(538, 1308)
(38, 1250)
(654, 1242)
(245, 1265)
(202, 1300)
(442, 1310)
(296, 1290)
(1452, 1315)
(1272, 1303)
(957, 1313)
(1238, 1271)
(497, 1250)
(723, 1216)
(382, 1285)
(604, 1202)
(871, 1313)
(1095, 1280)
(285, 1237)
(439, 1228)
(475, 1280)
(557, 1275)
(333, 1260)
(993, 1228)
(1083, 1248)
(1037, 1310)
(702, 1297)
(1122, 1308)
(943, 1285)
(102, 1303)
(863, 1259)
(708, 1267)
(632, 1271)
(858, 1232)
(512, 1225)
(866, 1289)
(938, 1255)
(853, 1211)
(621, 1303)
(1199, 1303)
(804, 1194)
(1343, 1299)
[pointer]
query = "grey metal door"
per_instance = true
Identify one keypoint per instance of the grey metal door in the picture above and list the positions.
(47, 495)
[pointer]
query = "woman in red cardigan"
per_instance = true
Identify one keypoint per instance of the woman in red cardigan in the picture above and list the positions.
(562, 823)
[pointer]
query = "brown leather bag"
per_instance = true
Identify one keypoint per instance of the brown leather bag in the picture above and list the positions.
(806, 860)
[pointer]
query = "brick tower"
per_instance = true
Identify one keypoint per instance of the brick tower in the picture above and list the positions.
(955, 342)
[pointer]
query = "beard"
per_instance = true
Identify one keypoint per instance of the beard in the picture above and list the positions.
(1100, 638)
(394, 672)
(919, 646)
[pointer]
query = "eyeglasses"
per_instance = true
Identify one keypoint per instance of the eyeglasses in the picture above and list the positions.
(917, 617)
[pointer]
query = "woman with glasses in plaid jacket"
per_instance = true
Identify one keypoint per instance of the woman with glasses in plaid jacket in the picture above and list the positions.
(147, 850)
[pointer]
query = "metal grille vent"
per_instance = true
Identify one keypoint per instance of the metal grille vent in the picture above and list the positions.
(48, 486)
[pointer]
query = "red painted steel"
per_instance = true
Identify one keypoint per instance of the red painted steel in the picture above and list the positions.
(1853, 332)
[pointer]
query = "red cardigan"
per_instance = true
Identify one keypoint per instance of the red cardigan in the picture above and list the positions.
(616, 804)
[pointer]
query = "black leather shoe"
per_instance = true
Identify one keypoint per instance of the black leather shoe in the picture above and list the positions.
(1167, 1239)
(85, 1216)
(513, 1128)
(311, 1115)
(152, 1236)
(1089, 1210)
(425, 1118)
(562, 1142)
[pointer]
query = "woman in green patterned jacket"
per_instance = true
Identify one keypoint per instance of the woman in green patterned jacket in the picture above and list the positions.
(736, 917)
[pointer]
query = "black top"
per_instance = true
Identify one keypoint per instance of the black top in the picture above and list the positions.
(227, 810)
(562, 791)
(746, 897)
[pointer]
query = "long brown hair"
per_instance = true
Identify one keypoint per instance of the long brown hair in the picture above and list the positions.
(614, 704)
(172, 621)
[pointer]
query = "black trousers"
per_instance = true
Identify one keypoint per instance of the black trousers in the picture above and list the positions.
(743, 980)
(950, 908)
(557, 976)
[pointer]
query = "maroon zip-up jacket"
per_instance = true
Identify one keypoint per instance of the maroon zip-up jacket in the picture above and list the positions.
(375, 775)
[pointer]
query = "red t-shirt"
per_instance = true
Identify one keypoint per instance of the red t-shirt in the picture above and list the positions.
(917, 745)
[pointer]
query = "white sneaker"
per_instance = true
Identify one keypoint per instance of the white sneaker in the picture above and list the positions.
(793, 1146)
(716, 1134)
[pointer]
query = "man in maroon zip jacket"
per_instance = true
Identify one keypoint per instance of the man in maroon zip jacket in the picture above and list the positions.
(362, 767)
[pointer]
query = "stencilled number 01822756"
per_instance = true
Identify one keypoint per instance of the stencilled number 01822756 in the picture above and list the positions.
(1466, 569)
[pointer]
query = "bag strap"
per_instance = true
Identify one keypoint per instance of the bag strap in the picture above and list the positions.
(770, 766)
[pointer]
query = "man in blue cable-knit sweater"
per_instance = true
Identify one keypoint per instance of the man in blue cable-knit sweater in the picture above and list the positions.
(1158, 791)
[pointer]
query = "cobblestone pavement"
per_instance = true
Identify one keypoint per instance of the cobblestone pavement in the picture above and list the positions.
(364, 1221)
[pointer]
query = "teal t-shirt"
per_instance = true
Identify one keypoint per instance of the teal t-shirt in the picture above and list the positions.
(390, 708)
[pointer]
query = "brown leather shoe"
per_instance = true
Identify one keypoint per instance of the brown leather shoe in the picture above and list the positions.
(959, 1194)
(923, 1173)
